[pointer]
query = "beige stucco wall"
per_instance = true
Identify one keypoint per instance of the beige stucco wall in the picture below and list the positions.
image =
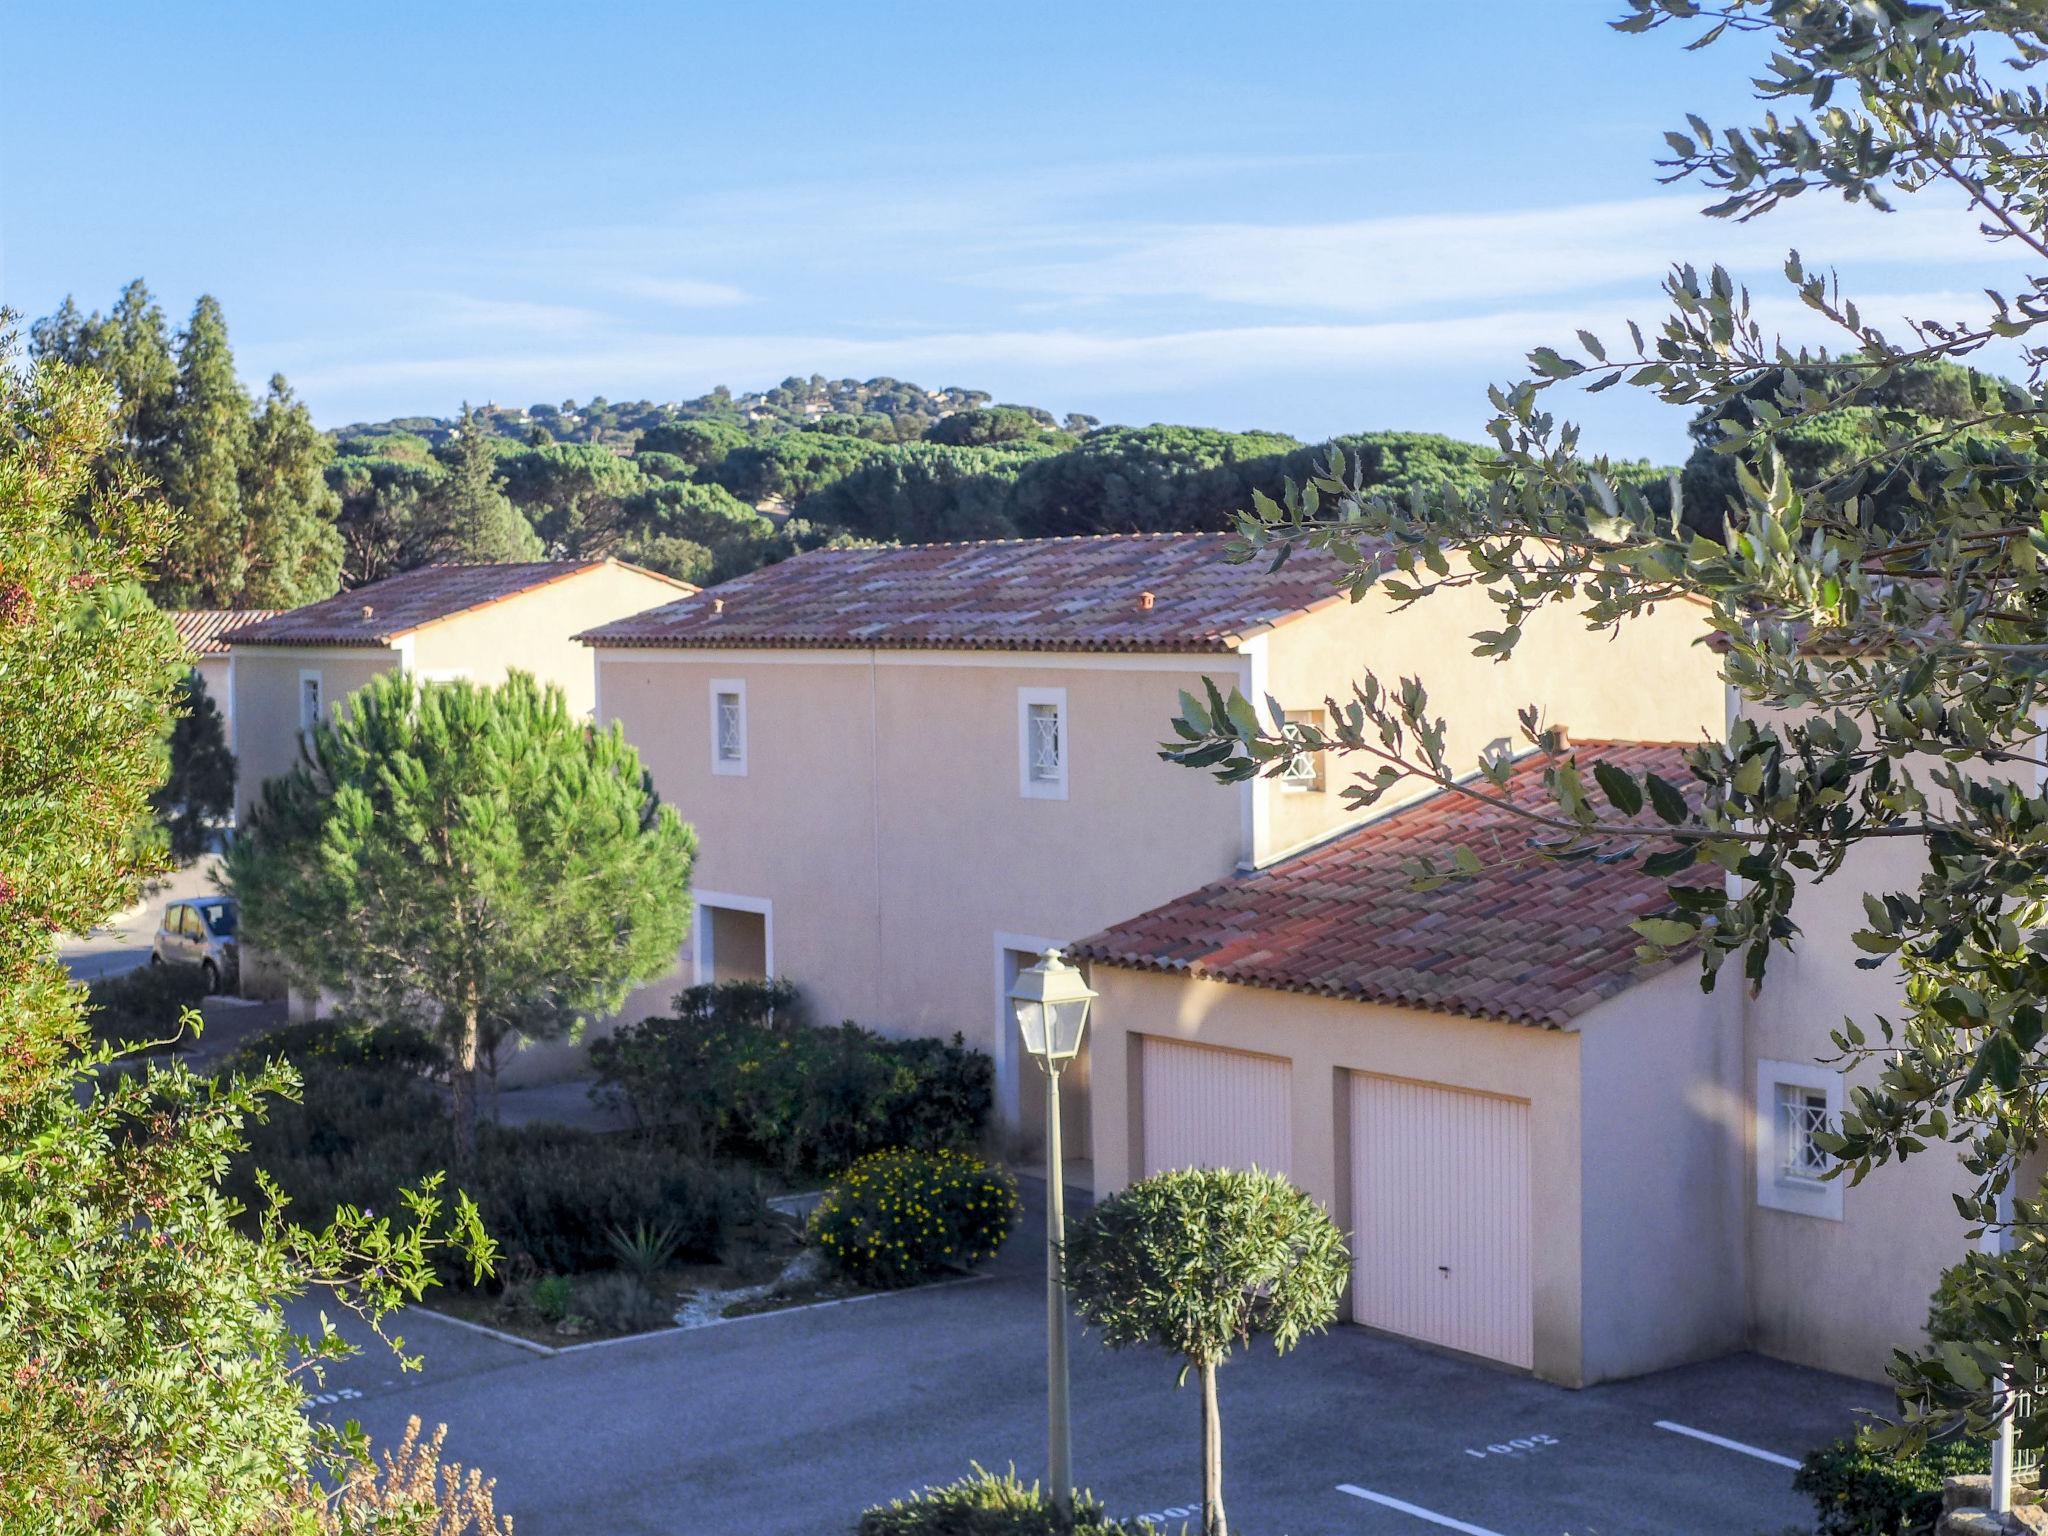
(880, 815)
(1649, 681)
(1843, 1294)
(1665, 1109)
(266, 703)
(1326, 1040)
(534, 632)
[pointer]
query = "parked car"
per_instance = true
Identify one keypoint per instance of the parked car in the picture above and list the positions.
(200, 931)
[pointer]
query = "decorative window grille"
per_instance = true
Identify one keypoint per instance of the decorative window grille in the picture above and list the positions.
(1304, 769)
(732, 741)
(1802, 1115)
(1043, 744)
(309, 702)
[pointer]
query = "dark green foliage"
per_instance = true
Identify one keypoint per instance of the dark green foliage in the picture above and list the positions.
(198, 792)
(473, 858)
(897, 1218)
(255, 517)
(989, 425)
(341, 1042)
(145, 1005)
(1859, 1491)
(368, 1124)
(737, 1072)
(984, 1504)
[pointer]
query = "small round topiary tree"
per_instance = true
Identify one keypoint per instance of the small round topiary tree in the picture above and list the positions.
(1199, 1260)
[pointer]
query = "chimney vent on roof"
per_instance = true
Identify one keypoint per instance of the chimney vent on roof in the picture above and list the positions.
(368, 610)
(1145, 601)
(718, 605)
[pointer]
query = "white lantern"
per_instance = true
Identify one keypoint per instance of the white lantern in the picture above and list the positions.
(1051, 1001)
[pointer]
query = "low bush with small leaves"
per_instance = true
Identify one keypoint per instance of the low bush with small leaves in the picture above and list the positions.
(552, 1197)
(1859, 1490)
(736, 1071)
(985, 1504)
(898, 1218)
(144, 1006)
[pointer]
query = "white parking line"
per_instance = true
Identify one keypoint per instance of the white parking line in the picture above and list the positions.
(1414, 1509)
(1729, 1445)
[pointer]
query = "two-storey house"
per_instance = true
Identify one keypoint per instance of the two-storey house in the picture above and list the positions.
(911, 770)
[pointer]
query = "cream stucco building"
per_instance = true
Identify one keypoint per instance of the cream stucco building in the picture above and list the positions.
(910, 770)
(205, 632)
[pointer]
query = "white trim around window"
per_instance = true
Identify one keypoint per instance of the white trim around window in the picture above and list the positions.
(312, 701)
(1042, 743)
(729, 726)
(705, 902)
(1792, 1098)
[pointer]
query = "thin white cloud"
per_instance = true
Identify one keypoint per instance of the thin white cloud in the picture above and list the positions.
(1390, 265)
(683, 292)
(1488, 345)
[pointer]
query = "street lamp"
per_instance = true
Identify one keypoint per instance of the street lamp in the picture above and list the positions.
(1051, 1001)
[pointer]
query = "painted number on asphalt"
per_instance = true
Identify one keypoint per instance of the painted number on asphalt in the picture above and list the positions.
(1172, 1512)
(329, 1399)
(1518, 1446)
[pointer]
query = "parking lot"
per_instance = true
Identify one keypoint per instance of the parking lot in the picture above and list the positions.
(793, 1422)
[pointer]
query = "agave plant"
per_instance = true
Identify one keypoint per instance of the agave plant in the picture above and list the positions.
(645, 1250)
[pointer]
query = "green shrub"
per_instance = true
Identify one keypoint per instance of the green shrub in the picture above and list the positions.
(552, 1295)
(1859, 1491)
(343, 1042)
(549, 1193)
(736, 1071)
(896, 1218)
(984, 1504)
(144, 1005)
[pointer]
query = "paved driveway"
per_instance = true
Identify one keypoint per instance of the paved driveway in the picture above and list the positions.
(122, 942)
(793, 1422)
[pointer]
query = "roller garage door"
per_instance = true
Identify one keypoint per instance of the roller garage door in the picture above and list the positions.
(1440, 1185)
(1207, 1108)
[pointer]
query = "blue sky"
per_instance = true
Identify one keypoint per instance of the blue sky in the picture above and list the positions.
(1310, 217)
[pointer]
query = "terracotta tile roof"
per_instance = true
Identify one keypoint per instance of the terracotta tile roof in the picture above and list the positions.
(1536, 943)
(1075, 594)
(385, 610)
(204, 630)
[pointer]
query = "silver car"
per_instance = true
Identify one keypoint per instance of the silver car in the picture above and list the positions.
(200, 931)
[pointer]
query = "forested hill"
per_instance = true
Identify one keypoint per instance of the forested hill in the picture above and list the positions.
(884, 410)
(273, 512)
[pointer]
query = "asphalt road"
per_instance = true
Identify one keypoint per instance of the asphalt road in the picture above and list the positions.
(789, 1424)
(122, 943)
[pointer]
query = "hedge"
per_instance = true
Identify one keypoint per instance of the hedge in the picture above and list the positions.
(736, 1071)
(1859, 1491)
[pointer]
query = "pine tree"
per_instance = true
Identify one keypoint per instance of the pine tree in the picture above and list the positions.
(476, 519)
(199, 790)
(291, 548)
(474, 860)
(207, 427)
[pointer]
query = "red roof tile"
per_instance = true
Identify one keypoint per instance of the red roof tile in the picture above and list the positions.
(1076, 594)
(385, 610)
(204, 630)
(1536, 942)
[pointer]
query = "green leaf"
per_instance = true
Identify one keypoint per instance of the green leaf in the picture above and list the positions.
(1666, 800)
(1667, 932)
(1621, 790)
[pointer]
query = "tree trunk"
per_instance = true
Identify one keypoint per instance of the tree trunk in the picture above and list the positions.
(465, 1091)
(1213, 1523)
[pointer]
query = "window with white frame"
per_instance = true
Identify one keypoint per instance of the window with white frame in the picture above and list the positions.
(309, 701)
(1305, 769)
(1797, 1103)
(1042, 743)
(728, 726)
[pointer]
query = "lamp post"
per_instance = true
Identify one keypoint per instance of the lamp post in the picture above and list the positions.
(1051, 1001)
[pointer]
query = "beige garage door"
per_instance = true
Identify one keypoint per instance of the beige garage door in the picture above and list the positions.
(1440, 1182)
(1209, 1108)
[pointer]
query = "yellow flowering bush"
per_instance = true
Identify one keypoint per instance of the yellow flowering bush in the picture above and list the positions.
(896, 1218)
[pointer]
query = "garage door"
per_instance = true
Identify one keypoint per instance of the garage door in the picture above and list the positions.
(1440, 1181)
(1208, 1108)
